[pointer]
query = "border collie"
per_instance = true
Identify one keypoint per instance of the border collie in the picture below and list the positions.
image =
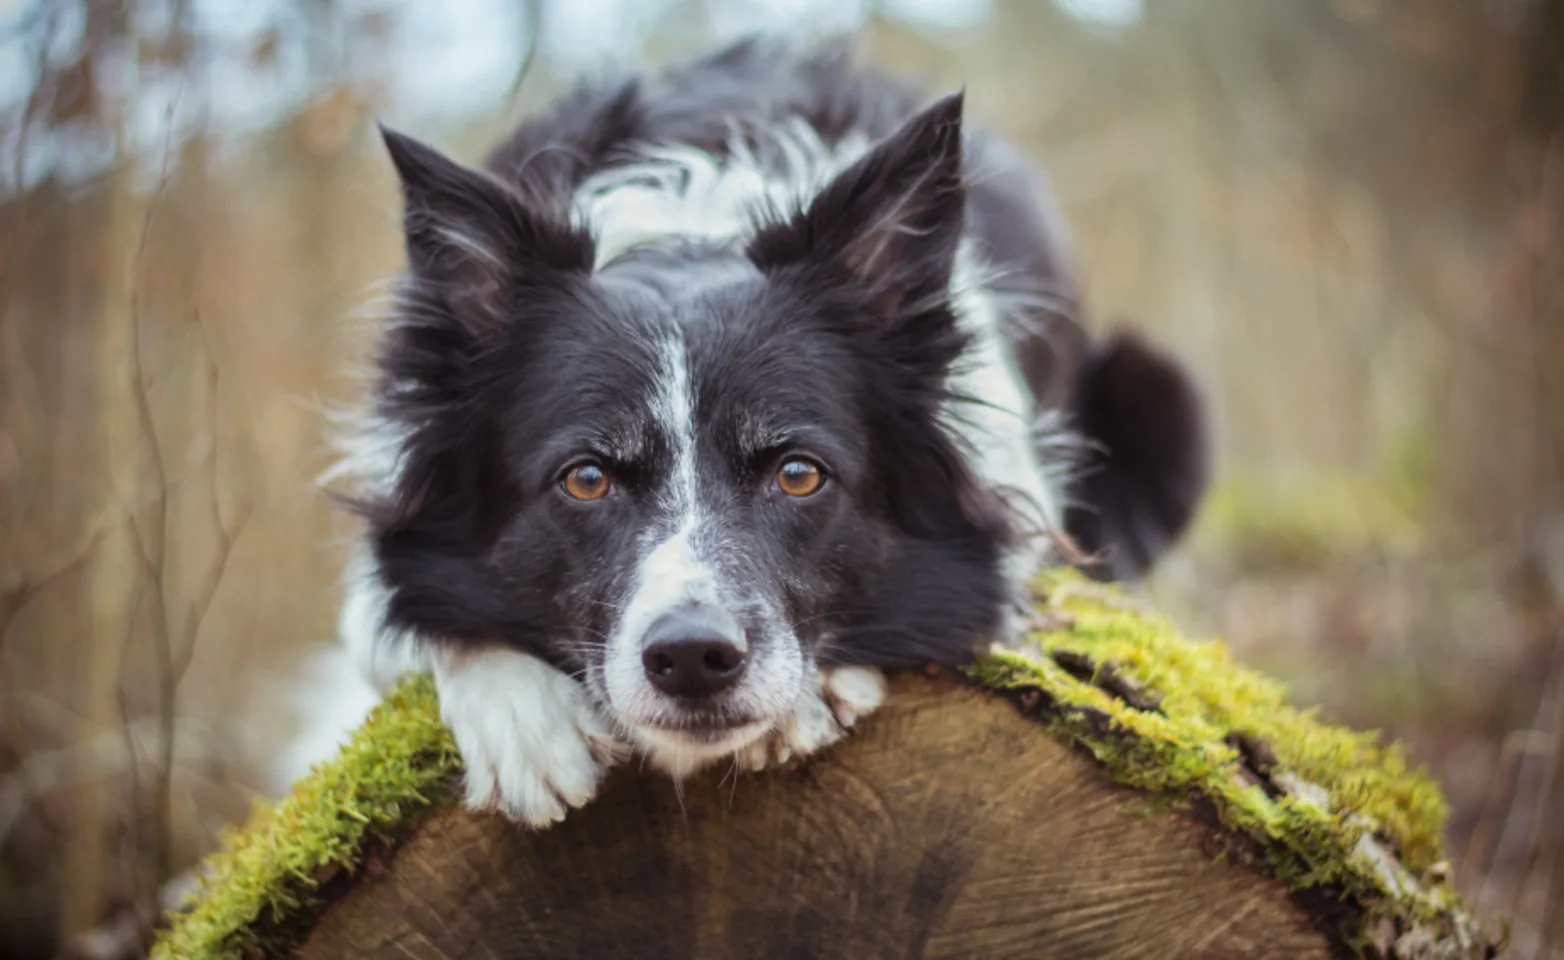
(714, 393)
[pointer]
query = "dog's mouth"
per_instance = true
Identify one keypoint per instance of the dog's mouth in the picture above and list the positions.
(707, 730)
(682, 734)
(681, 741)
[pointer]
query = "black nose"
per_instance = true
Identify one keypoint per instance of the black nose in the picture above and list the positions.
(693, 656)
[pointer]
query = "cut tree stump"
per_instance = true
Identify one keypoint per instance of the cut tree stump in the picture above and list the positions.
(909, 841)
(1114, 791)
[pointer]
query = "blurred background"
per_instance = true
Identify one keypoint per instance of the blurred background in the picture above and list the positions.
(1346, 215)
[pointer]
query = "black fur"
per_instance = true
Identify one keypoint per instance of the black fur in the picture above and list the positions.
(1149, 466)
(829, 335)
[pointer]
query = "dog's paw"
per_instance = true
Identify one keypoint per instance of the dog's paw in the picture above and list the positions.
(532, 744)
(852, 693)
(821, 717)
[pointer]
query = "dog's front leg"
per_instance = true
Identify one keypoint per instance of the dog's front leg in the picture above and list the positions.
(823, 715)
(533, 745)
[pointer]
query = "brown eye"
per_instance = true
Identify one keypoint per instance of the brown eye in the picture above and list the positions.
(799, 478)
(586, 482)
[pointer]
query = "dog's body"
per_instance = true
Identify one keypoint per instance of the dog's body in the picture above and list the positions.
(713, 395)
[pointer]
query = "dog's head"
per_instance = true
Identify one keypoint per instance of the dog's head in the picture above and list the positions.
(694, 473)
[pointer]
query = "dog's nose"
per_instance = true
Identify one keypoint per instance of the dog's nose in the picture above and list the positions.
(693, 656)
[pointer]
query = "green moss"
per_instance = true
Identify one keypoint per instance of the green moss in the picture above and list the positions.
(1324, 804)
(1320, 812)
(263, 882)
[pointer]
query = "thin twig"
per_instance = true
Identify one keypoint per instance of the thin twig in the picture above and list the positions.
(18, 597)
(173, 657)
(226, 533)
(153, 558)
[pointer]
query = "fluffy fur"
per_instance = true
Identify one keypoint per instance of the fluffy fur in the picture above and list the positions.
(687, 286)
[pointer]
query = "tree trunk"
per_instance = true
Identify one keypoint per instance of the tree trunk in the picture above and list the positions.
(1108, 789)
(950, 826)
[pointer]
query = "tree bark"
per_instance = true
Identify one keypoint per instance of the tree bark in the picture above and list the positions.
(949, 825)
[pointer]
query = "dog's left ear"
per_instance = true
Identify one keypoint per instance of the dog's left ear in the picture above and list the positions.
(891, 221)
(1149, 457)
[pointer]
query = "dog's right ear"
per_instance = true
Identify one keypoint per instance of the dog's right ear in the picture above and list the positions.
(1148, 458)
(476, 250)
(470, 238)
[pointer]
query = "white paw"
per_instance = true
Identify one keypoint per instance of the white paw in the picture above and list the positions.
(852, 692)
(820, 718)
(532, 744)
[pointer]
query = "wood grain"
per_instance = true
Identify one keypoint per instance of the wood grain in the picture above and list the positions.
(949, 826)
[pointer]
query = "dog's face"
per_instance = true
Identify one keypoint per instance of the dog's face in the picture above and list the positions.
(689, 449)
(693, 474)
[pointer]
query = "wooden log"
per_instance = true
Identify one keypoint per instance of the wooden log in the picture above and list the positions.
(1114, 791)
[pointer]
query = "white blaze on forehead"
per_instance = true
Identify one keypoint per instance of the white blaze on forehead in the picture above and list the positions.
(674, 408)
(679, 564)
(672, 570)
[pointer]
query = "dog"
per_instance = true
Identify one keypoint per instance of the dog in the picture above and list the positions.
(714, 394)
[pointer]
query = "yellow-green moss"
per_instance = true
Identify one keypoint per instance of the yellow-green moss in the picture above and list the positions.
(263, 881)
(262, 886)
(1348, 790)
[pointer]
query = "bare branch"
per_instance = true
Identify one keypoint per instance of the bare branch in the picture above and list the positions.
(153, 557)
(18, 597)
(226, 534)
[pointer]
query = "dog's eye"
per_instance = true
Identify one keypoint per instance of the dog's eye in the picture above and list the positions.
(799, 477)
(587, 481)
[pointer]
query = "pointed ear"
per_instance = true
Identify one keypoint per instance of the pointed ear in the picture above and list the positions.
(892, 220)
(472, 237)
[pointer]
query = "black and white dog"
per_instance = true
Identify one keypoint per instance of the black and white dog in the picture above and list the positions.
(716, 392)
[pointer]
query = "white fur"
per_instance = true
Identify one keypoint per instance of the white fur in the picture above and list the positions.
(341, 683)
(383, 653)
(334, 699)
(679, 757)
(822, 715)
(774, 684)
(670, 576)
(677, 190)
(808, 729)
(676, 572)
(1001, 429)
(853, 692)
(532, 742)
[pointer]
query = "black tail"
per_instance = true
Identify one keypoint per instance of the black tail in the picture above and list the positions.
(1149, 459)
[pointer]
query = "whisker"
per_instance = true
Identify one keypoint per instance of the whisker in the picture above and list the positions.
(733, 791)
(678, 792)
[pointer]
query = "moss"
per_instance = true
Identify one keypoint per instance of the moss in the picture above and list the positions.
(1323, 808)
(1324, 805)
(266, 879)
